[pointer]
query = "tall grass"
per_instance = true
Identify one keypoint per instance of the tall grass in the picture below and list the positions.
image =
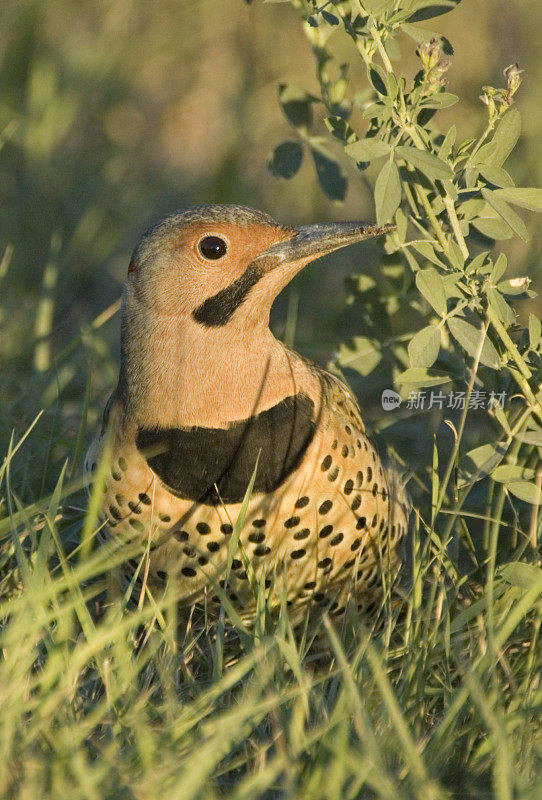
(439, 696)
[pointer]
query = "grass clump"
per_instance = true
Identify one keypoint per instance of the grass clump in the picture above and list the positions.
(440, 699)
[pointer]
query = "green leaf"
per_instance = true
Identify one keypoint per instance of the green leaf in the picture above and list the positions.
(440, 100)
(340, 129)
(377, 76)
(387, 192)
(496, 175)
(359, 353)
(499, 268)
(518, 573)
(445, 148)
(457, 259)
(468, 336)
(535, 331)
(427, 250)
(504, 140)
(511, 472)
(331, 19)
(296, 105)
(285, 160)
(479, 462)
(402, 223)
(431, 285)
(477, 263)
(500, 307)
(419, 376)
(330, 174)
(493, 228)
(424, 348)
(507, 214)
(428, 9)
(530, 437)
(367, 149)
(530, 198)
(529, 492)
(374, 6)
(416, 33)
(428, 163)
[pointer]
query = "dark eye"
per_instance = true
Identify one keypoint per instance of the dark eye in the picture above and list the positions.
(213, 247)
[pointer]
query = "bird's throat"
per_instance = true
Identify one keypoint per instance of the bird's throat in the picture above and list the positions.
(176, 373)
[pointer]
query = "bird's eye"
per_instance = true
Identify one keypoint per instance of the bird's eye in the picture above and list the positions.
(213, 247)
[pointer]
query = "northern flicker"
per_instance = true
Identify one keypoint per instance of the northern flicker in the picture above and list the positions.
(207, 398)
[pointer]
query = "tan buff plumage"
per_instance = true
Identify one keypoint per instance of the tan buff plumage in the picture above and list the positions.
(198, 361)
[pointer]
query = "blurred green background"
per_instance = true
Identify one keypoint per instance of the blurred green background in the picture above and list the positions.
(115, 113)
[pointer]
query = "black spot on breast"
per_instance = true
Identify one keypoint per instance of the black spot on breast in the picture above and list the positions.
(181, 536)
(194, 462)
(333, 474)
(356, 502)
(325, 506)
(257, 537)
(219, 309)
(189, 572)
(226, 528)
(302, 502)
(302, 534)
(258, 523)
(203, 529)
(326, 463)
(326, 530)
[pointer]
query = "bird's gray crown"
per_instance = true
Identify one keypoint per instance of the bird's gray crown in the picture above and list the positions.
(201, 214)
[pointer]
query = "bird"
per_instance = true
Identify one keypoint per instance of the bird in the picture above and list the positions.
(214, 422)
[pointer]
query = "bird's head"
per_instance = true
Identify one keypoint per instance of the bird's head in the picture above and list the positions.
(223, 265)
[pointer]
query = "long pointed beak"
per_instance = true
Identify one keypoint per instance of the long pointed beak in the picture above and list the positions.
(312, 241)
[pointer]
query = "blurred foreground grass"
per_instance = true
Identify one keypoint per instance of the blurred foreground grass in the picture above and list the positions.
(111, 115)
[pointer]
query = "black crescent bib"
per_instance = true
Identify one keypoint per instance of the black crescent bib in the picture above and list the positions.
(193, 463)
